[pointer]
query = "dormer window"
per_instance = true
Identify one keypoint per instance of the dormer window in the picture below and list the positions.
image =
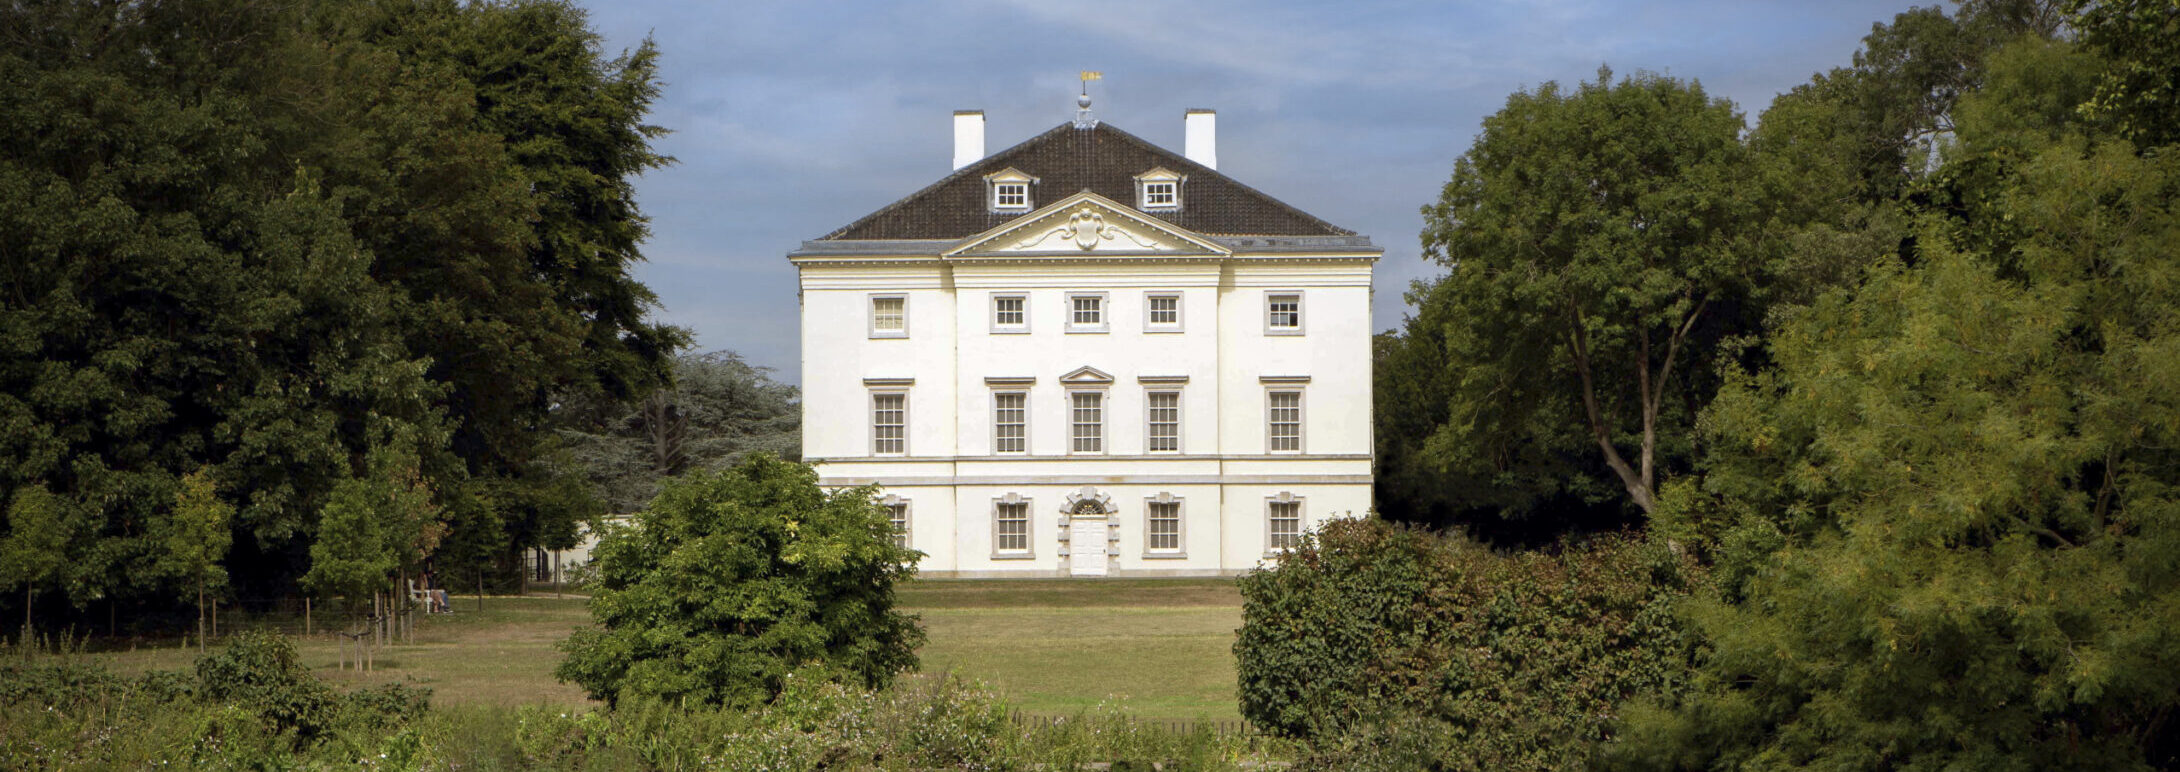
(1010, 191)
(1161, 195)
(1158, 189)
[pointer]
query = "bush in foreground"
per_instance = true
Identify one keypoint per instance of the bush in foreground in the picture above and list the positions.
(733, 580)
(1386, 646)
(63, 716)
(248, 705)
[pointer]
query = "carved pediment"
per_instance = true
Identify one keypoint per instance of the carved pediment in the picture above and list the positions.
(1086, 375)
(1086, 224)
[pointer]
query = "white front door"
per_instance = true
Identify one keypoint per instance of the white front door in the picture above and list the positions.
(1086, 546)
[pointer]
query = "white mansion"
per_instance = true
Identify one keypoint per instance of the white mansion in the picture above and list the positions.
(1087, 355)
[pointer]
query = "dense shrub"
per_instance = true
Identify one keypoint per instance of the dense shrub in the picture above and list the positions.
(258, 671)
(248, 705)
(1384, 646)
(734, 579)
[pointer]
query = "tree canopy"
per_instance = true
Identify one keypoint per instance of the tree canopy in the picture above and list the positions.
(1931, 468)
(1598, 248)
(719, 410)
(265, 238)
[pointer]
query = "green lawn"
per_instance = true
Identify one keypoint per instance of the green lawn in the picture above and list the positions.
(1158, 648)
(501, 656)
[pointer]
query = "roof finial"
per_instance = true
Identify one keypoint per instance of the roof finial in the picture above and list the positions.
(1082, 103)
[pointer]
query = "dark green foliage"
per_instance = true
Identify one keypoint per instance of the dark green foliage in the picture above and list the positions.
(2139, 44)
(259, 672)
(734, 581)
(1600, 249)
(250, 705)
(267, 239)
(1945, 519)
(1381, 643)
(719, 410)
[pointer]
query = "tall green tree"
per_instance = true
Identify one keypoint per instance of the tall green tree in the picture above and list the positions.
(1598, 251)
(193, 541)
(247, 235)
(545, 308)
(1945, 521)
(35, 549)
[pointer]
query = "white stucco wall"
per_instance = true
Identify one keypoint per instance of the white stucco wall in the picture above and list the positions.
(1220, 361)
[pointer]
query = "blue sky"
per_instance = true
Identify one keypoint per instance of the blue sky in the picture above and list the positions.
(791, 119)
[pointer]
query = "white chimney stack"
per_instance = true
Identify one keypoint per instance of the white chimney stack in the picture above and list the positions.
(968, 137)
(1200, 138)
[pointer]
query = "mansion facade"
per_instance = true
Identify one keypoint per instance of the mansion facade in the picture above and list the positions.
(1086, 355)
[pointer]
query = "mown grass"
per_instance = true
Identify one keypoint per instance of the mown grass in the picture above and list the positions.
(1153, 648)
(502, 655)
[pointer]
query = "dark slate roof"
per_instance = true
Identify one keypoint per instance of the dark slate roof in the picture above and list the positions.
(1067, 160)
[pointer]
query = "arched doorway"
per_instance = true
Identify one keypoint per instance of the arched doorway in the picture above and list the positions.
(1089, 528)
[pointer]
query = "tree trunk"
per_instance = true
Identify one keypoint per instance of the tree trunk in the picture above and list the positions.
(200, 617)
(26, 619)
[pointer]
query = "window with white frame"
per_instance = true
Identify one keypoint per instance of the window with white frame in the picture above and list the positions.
(1010, 527)
(1086, 421)
(889, 423)
(889, 316)
(1010, 422)
(1010, 190)
(1283, 523)
(1086, 312)
(1161, 195)
(1010, 313)
(897, 515)
(1157, 189)
(1163, 434)
(1162, 526)
(1162, 312)
(1283, 313)
(1283, 420)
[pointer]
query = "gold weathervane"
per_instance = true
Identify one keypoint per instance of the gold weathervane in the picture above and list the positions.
(1082, 103)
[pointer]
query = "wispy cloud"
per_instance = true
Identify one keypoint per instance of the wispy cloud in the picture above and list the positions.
(794, 118)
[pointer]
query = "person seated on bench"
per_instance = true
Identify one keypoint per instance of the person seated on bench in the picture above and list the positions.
(435, 597)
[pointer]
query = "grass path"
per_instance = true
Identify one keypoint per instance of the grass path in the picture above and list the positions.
(1156, 648)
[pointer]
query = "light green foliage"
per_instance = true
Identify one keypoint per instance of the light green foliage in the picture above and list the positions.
(373, 527)
(732, 580)
(1391, 648)
(193, 540)
(718, 410)
(35, 549)
(352, 556)
(1946, 519)
(1597, 251)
